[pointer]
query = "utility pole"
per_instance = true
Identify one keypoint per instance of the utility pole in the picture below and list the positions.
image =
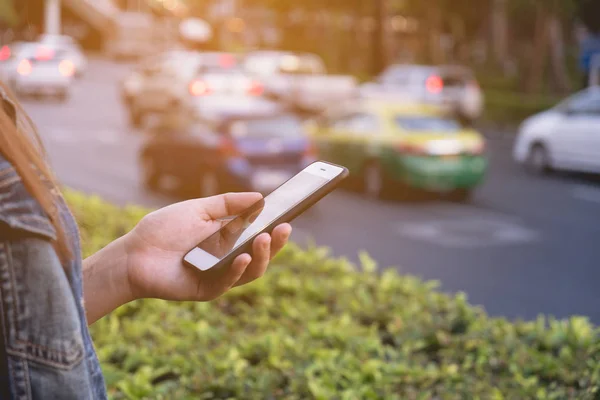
(52, 23)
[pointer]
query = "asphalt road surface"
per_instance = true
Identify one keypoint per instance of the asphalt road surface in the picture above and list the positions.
(525, 245)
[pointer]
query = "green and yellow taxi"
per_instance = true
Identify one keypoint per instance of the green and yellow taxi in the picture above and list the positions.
(392, 147)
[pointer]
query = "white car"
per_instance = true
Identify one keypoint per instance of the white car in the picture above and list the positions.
(566, 137)
(69, 47)
(49, 38)
(452, 86)
(42, 71)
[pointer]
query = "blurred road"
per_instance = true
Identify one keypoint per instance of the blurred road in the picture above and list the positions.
(526, 245)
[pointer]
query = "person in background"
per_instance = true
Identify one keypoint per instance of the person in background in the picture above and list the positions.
(49, 295)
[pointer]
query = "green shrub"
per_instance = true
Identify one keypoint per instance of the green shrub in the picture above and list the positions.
(318, 328)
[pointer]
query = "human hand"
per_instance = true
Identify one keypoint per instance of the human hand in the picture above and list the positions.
(156, 246)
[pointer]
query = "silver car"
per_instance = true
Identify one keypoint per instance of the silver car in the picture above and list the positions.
(451, 86)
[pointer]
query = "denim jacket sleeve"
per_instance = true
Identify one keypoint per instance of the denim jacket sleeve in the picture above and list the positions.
(42, 319)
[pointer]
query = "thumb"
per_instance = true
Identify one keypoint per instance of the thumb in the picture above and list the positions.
(228, 204)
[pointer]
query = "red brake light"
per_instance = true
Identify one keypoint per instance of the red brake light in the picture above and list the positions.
(24, 68)
(44, 54)
(66, 68)
(255, 88)
(5, 53)
(227, 61)
(228, 148)
(434, 84)
(199, 88)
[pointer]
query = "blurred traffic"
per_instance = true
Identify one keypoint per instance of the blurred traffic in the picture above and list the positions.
(434, 185)
(207, 110)
(566, 137)
(43, 68)
(247, 120)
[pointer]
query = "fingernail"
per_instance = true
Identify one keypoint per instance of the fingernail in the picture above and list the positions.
(267, 244)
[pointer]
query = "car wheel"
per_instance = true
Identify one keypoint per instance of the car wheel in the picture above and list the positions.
(209, 184)
(373, 184)
(538, 159)
(150, 173)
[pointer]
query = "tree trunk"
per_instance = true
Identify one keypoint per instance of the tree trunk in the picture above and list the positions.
(377, 43)
(499, 32)
(387, 34)
(559, 69)
(435, 36)
(539, 51)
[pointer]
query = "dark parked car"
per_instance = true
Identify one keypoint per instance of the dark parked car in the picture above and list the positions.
(235, 151)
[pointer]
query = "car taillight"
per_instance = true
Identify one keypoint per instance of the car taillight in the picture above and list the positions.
(24, 68)
(228, 149)
(199, 88)
(411, 149)
(255, 88)
(434, 84)
(66, 68)
(5, 53)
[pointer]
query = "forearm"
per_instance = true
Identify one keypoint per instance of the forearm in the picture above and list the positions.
(105, 281)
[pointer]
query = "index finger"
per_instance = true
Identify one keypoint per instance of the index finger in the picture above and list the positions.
(228, 204)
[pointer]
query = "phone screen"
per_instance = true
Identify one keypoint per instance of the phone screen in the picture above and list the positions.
(244, 227)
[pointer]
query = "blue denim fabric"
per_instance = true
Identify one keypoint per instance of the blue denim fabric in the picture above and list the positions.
(50, 352)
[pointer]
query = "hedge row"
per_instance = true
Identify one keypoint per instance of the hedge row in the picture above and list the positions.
(511, 108)
(318, 327)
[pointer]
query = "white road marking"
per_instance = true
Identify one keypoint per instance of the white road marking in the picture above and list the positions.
(469, 232)
(587, 193)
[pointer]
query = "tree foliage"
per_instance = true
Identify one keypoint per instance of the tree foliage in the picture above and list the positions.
(589, 12)
(8, 14)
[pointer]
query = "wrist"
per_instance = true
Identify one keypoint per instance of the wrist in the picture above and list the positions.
(132, 255)
(107, 282)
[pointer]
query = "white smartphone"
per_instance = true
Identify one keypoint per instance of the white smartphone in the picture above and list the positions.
(284, 204)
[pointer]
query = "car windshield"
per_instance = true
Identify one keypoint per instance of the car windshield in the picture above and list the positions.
(41, 54)
(426, 123)
(279, 126)
(263, 64)
(216, 70)
(580, 101)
